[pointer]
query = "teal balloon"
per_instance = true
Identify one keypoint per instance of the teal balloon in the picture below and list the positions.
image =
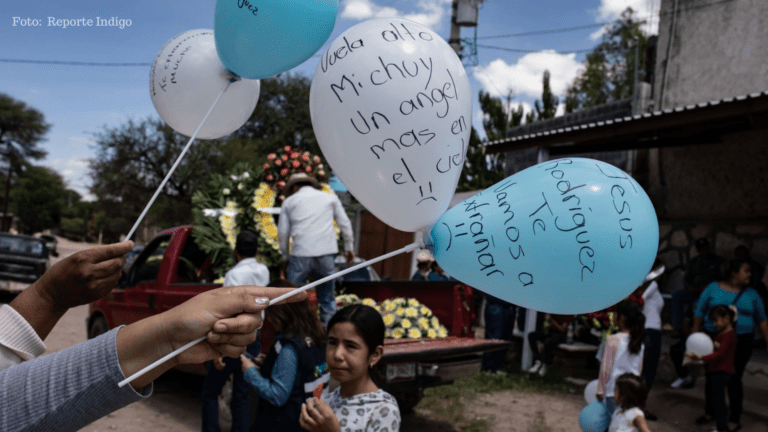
(567, 236)
(594, 417)
(257, 39)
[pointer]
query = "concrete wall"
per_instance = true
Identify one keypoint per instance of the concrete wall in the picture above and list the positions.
(718, 50)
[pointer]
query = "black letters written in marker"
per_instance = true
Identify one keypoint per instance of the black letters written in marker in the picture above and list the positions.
(247, 5)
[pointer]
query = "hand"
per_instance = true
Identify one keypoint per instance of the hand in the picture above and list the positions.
(76, 280)
(218, 363)
(599, 397)
(259, 359)
(83, 277)
(228, 317)
(246, 363)
(350, 256)
(716, 345)
(317, 416)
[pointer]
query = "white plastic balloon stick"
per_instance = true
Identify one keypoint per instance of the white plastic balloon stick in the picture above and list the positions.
(178, 160)
(410, 248)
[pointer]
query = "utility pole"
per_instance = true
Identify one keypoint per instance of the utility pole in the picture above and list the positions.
(455, 38)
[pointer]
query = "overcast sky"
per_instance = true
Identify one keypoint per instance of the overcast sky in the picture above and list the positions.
(80, 100)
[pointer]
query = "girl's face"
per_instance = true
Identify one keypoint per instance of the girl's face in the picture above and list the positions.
(721, 322)
(347, 354)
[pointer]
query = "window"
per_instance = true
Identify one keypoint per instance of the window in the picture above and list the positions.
(194, 264)
(150, 260)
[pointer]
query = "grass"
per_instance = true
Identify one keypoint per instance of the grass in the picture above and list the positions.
(447, 402)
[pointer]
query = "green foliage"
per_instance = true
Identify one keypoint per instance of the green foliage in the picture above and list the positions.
(482, 170)
(547, 107)
(22, 129)
(281, 118)
(37, 199)
(609, 71)
(132, 160)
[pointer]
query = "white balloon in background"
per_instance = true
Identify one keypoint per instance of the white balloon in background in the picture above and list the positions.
(391, 108)
(590, 392)
(186, 78)
(699, 343)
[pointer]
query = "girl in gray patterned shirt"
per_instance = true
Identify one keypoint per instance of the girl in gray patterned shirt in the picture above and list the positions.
(355, 345)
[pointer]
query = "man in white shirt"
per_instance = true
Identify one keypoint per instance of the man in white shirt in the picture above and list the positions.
(306, 217)
(247, 271)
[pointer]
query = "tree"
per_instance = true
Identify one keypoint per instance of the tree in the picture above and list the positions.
(482, 170)
(547, 107)
(22, 129)
(609, 71)
(281, 118)
(38, 199)
(131, 162)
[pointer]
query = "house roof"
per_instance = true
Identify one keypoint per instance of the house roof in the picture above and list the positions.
(702, 123)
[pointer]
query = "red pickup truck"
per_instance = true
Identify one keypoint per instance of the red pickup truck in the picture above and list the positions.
(172, 269)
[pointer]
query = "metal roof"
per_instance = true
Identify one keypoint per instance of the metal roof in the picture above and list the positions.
(684, 125)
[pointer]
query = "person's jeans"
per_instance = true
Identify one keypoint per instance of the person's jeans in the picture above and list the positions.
(714, 398)
(611, 405)
(680, 300)
(551, 342)
(499, 324)
(651, 356)
(677, 355)
(301, 268)
(214, 383)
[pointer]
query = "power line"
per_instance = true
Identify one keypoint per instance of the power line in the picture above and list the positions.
(520, 50)
(541, 32)
(601, 24)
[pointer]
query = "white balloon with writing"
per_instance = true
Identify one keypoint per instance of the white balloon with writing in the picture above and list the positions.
(185, 80)
(391, 109)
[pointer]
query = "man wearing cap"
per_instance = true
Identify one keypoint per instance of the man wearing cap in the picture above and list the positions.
(247, 271)
(701, 271)
(306, 217)
(423, 268)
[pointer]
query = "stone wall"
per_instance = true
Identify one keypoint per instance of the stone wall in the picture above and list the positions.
(676, 244)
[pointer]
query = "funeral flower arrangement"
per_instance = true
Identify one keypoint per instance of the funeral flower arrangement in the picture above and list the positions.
(233, 202)
(403, 318)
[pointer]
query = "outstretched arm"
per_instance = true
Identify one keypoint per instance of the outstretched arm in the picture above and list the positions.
(79, 279)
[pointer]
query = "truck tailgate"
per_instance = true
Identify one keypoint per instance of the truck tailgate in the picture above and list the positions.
(399, 350)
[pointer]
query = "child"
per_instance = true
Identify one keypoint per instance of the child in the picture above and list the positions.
(630, 394)
(355, 345)
(293, 369)
(623, 351)
(720, 363)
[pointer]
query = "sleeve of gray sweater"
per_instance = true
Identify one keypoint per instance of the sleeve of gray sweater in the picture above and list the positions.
(66, 390)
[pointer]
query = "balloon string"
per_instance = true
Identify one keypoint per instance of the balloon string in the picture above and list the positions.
(410, 248)
(178, 160)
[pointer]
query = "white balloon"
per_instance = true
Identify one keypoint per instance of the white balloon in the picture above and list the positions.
(186, 78)
(590, 392)
(699, 343)
(391, 109)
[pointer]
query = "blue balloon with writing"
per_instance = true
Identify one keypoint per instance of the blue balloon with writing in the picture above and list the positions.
(566, 236)
(257, 39)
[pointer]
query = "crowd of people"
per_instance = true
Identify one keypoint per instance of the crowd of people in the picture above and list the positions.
(316, 373)
(723, 298)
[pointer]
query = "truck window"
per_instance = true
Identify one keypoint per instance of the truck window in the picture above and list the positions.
(194, 264)
(150, 260)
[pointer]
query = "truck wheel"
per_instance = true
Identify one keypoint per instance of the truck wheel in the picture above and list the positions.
(406, 402)
(98, 327)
